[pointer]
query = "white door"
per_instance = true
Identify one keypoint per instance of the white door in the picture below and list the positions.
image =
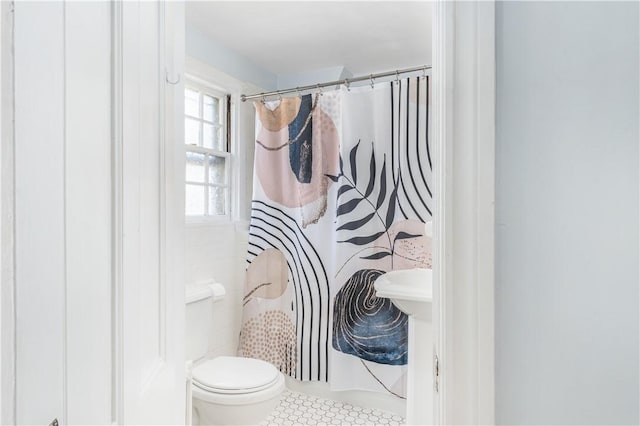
(63, 281)
(99, 303)
(149, 40)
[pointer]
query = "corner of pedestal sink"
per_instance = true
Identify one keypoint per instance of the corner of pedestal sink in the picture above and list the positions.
(409, 289)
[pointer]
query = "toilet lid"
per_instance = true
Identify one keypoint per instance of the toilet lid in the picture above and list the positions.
(227, 374)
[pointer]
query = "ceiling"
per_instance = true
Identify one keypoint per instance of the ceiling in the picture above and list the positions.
(294, 37)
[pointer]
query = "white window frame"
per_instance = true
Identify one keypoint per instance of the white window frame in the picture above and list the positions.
(210, 89)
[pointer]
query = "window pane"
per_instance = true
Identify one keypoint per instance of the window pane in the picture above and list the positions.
(217, 200)
(191, 103)
(195, 167)
(211, 109)
(194, 200)
(217, 170)
(191, 132)
(212, 137)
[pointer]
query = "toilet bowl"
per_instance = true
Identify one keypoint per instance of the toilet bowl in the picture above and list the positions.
(235, 391)
(225, 390)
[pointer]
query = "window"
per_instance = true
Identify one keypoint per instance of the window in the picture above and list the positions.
(207, 146)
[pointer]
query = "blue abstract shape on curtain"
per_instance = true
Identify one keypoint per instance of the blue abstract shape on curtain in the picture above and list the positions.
(300, 150)
(369, 327)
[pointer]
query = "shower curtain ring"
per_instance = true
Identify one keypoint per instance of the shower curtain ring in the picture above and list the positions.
(371, 77)
(346, 83)
(424, 73)
(397, 77)
(264, 99)
(319, 89)
(298, 92)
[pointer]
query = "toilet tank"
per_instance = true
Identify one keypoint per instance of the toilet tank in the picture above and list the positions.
(199, 300)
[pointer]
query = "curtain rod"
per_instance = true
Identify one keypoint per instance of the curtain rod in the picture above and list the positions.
(346, 82)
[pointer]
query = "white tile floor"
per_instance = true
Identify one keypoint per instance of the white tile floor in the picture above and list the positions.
(301, 409)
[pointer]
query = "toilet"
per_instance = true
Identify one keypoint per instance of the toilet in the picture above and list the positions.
(226, 390)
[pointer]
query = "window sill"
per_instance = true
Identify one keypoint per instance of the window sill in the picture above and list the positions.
(195, 222)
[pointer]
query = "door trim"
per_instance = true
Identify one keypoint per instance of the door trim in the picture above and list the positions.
(7, 222)
(117, 327)
(168, 370)
(464, 219)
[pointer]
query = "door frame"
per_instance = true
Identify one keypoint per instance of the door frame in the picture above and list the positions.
(7, 227)
(463, 116)
(463, 134)
(168, 372)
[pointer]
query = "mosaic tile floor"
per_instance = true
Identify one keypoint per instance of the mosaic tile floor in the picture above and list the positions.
(301, 409)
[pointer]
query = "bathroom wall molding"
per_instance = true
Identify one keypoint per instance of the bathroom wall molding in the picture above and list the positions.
(464, 144)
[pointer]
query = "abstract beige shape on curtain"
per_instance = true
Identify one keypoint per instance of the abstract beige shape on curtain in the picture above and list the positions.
(267, 276)
(411, 252)
(279, 117)
(270, 336)
(278, 180)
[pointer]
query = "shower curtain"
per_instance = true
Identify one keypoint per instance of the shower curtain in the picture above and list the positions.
(342, 188)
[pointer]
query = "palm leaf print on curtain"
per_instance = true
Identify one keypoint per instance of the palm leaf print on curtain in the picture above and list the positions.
(341, 194)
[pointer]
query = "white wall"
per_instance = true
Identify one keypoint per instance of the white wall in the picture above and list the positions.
(567, 213)
(299, 79)
(217, 250)
(207, 50)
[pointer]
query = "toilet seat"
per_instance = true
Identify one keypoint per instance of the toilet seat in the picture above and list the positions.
(233, 391)
(235, 375)
(235, 381)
